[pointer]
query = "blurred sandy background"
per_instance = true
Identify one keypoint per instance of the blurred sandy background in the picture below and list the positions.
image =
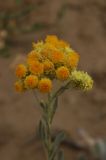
(83, 24)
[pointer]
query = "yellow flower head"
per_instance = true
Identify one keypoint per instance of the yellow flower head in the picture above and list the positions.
(52, 39)
(53, 59)
(48, 65)
(21, 71)
(38, 46)
(62, 73)
(33, 56)
(72, 59)
(81, 80)
(57, 56)
(62, 44)
(44, 53)
(19, 86)
(36, 68)
(48, 48)
(45, 85)
(31, 81)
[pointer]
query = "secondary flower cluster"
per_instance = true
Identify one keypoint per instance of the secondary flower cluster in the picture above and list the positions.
(50, 59)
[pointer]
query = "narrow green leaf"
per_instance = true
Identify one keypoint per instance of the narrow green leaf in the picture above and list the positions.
(42, 130)
(99, 150)
(54, 107)
(61, 89)
(59, 138)
(42, 104)
(60, 155)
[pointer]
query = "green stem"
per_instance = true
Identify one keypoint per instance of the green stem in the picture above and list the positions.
(61, 90)
(49, 114)
(49, 139)
(49, 109)
(49, 117)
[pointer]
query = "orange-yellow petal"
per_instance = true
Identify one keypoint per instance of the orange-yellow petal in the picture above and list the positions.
(31, 81)
(62, 73)
(19, 86)
(62, 44)
(36, 68)
(72, 60)
(48, 65)
(21, 71)
(57, 57)
(45, 85)
(51, 39)
(33, 56)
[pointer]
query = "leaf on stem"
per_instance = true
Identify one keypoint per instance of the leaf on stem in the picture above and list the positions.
(42, 132)
(59, 138)
(61, 89)
(42, 104)
(60, 155)
(54, 107)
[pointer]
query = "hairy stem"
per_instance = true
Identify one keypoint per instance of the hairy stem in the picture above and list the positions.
(49, 140)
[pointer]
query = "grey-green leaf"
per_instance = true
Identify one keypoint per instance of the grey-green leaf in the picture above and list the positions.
(59, 138)
(60, 155)
(54, 107)
(42, 104)
(42, 132)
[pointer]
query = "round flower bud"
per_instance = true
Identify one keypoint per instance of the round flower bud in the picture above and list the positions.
(36, 68)
(19, 86)
(57, 56)
(31, 81)
(21, 71)
(32, 56)
(45, 85)
(81, 80)
(48, 65)
(62, 73)
(52, 39)
(72, 60)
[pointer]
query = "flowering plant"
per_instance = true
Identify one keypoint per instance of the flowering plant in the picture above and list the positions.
(52, 59)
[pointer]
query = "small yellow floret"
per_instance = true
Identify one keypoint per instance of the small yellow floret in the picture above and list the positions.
(31, 81)
(57, 57)
(62, 73)
(62, 44)
(45, 85)
(72, 59)
(51, 39)
(19, 86)
(36, 68)
(38, 46)
(48, 48)
(33, 56)
(48, 65)
(21, 71)
(81, 80)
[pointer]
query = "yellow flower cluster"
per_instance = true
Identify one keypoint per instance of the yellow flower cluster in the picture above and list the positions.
(49, 59)
(81, 80)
